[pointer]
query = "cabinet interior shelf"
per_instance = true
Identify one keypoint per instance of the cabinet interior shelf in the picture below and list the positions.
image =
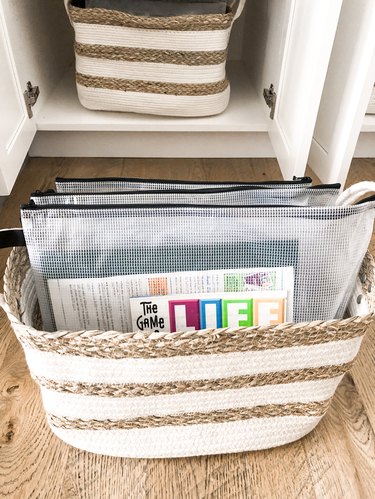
(246, 112)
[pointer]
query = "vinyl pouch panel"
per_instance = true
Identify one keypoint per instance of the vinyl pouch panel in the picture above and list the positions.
(325, 245)
(112, 184)
(238, 195)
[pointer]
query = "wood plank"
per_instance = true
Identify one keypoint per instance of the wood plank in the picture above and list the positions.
(363, 373)
(88, 476)
(359, 435)
(234, 475)
(328, 448)
(30, 456)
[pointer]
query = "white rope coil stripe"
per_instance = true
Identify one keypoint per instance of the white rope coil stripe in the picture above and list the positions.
(150, 71)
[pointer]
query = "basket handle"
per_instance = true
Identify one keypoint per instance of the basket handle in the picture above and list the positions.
(362, 301)
(67, 3)
(241, 5)
(11, 237)
(351, 195)
(239, 10)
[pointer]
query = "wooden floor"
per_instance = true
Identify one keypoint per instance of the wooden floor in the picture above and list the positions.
(336, 460)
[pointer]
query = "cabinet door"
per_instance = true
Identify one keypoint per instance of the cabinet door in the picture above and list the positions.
(350, 79)
(309, 37)
(17, 130)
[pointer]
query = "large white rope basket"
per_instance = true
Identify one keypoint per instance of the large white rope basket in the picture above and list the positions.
(186, 393)
(172, 66)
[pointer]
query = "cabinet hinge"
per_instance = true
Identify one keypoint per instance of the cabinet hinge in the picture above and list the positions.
(31, 95)
(270, 98)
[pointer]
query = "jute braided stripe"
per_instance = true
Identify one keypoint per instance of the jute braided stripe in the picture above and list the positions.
(154, 87)
(174, 387)
(151, 55)
(208, 22)
(113, 345)
(366, 274)
(15, 271)
(224, 416)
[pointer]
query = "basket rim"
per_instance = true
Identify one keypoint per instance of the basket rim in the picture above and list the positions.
(112, 17)
(149, 344)
(18, 259)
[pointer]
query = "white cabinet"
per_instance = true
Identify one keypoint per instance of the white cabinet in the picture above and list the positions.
(16, 130)
(341, 124)
(284, 42)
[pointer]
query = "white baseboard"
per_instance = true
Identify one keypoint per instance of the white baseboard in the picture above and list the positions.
(329, 170)
(153, 144)
(365, 147)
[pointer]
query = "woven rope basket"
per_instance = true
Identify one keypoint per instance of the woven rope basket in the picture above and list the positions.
(171, 66)
(186, 393)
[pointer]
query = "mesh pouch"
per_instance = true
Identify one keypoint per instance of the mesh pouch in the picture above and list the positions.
(112, 184)
(325, 245)
(246, 195)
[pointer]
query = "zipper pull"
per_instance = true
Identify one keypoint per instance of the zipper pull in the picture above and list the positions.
(303, 180)
(31, 203)
(42, 193)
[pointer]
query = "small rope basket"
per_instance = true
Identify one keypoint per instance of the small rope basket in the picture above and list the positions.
(185, 393)
(172, 66)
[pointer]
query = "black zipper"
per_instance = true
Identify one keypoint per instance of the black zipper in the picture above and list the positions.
(295, 181)
(35, 207)
(210, 190)
(43, 193)
(32, 206)
(308, 210)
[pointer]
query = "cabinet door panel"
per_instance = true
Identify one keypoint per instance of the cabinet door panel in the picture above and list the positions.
(349, 82)
(308, 44)
(17, 130)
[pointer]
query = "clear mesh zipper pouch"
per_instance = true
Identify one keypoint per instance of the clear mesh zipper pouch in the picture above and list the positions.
(112, 184)
(325, 245)
(246, 195)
